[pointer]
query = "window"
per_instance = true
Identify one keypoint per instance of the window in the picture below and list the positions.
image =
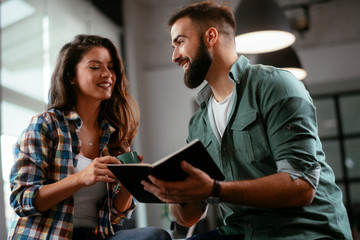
(339, 130)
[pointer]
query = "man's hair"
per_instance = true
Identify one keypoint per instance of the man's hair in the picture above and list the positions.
(207, 14)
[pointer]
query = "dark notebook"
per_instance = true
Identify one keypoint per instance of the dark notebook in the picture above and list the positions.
(167, 168)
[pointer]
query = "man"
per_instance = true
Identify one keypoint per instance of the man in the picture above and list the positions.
(259, 125)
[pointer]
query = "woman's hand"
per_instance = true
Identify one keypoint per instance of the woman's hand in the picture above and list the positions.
(51, 194)
(97, 171)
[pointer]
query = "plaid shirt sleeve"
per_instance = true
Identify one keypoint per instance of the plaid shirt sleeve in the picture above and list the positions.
(109, 215)
(28, 173)
(116, 216)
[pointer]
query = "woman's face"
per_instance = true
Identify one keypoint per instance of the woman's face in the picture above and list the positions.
(95, 76)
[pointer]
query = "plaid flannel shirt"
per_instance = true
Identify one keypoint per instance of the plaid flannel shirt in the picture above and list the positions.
(46, 152)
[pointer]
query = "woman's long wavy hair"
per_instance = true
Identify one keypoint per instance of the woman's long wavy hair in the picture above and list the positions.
(120, 110)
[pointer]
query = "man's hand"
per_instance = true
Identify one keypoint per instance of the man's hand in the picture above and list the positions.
(197, 186)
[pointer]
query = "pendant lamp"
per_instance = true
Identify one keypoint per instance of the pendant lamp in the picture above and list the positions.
(261, 26)
(285, 58)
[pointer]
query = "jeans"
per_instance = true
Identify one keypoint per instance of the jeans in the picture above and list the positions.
(146, 233)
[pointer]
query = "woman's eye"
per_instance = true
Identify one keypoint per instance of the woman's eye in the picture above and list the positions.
(94, 68)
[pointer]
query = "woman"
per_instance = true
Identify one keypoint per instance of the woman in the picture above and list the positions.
(61, 186)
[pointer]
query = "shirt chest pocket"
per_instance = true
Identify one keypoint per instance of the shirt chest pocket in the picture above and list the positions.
(250, 141)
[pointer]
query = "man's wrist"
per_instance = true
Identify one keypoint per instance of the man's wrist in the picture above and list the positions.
(215, 193)
(216, 189)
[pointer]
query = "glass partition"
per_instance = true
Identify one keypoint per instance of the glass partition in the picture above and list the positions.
(339, 130)
(350, 113)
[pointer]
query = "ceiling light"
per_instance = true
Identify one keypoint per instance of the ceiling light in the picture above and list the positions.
(285, 58)
(261, 26)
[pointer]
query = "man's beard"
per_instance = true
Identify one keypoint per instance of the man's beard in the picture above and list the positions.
(198, 68)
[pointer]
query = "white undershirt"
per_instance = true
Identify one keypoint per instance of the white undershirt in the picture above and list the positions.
(87, 199)
(221, 112)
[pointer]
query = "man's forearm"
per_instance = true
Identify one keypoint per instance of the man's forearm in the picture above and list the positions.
(274, 191)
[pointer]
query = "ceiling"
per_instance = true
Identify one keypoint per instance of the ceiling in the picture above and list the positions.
(111, 9)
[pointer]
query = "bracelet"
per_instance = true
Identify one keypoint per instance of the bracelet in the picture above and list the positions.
(216, 189)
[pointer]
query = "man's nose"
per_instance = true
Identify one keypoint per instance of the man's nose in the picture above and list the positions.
(175, 56)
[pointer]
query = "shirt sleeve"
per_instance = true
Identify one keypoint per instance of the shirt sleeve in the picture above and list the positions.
(290, 118)
(119, 217)
(31, 153)
(109, 215)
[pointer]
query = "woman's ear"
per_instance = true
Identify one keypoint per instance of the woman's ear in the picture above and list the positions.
(72, 81)
(211, 37)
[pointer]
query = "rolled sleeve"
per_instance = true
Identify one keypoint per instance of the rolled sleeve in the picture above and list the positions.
(108, 207)
(119, 217)
(311, 174)
(25, 182)
(23, 201)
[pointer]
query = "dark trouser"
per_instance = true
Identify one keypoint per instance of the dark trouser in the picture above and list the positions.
(215, 235)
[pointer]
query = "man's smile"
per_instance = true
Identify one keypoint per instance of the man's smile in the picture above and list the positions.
(184, 63)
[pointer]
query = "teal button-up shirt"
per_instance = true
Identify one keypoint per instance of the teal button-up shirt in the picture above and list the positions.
(272, 127)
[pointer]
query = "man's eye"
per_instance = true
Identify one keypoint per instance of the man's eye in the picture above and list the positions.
(94, 68)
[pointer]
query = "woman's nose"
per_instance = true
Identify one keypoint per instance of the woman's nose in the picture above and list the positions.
(106, 73)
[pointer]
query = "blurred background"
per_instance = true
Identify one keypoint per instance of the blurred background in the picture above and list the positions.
(326, 44)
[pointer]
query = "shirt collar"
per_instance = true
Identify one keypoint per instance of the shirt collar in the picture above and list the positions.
(236, 73)
(72, 115)
(238, 69)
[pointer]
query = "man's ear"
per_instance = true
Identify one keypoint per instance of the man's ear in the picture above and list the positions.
(211, 37)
